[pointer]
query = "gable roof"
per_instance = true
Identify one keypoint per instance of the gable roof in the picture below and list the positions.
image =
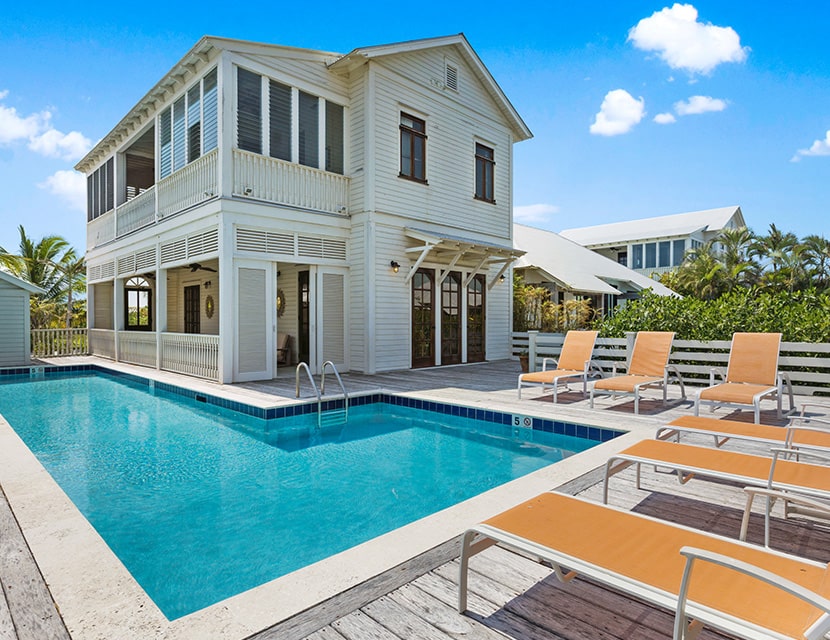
(576, 268)
(20, 283)
(679, 224)
(461, 44)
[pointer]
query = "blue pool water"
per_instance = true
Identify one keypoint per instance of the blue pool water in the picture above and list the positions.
(201, 503)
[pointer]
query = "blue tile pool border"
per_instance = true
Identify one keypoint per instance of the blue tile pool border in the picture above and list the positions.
(587, 432)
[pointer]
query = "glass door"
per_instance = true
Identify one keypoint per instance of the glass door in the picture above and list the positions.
(423, 318)
(451, 319)
(475, 319)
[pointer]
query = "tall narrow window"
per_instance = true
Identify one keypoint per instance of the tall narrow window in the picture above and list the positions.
(679, 251)
(664, 254)
(485, 163)
(138, 305)
(309, 130)
(637, 256)
(249, 111)
(192, 309)
(210, 137)
(165, 143)
(334, 137)
(651, 255)
(179, 157)
(413, 148)
(279, 97)
(194, 123)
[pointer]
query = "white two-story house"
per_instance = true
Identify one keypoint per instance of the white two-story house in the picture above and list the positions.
(358, 204)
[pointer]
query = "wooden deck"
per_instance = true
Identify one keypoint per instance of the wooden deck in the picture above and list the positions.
(511, 597)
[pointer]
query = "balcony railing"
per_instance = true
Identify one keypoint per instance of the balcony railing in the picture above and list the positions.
(263, 178)
(137, 347)
(58, 342)
(102, 343)
(136, 213)
(101, 230)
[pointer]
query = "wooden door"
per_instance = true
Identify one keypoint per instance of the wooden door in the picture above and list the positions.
(451, 319)
(476, 319)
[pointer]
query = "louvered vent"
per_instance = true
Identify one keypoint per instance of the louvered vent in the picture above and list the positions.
(126, 264)
(93, 272)
(334, 249)
(145, 259)
(202, 243)
(174, 251)
(256, 241)
(451, 77)
(308, 247)
(108, 269)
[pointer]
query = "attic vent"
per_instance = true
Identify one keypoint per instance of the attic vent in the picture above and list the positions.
(451, 77)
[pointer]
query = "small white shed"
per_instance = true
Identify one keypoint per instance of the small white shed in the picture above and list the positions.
(15, 335)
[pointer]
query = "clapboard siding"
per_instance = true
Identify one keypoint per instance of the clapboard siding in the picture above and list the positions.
(452, 131)
(499, 320)
(392, 297)
(357, 144)
(14, 326)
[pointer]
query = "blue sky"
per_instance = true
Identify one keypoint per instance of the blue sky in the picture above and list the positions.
(638, 109)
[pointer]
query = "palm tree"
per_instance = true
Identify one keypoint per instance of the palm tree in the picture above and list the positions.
(702, 274)
(742, 269)
(816, 256)
(775, 247)
(51, 264)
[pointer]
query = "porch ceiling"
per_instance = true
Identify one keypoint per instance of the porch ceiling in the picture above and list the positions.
(450, 250)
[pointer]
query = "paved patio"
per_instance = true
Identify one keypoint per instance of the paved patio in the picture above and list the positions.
(512, 597)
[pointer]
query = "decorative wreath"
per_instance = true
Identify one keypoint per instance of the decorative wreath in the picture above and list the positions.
(280, 303)
(209, 306)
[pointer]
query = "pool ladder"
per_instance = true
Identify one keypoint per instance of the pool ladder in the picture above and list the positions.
(331, 416)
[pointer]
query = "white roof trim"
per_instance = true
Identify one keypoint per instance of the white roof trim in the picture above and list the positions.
(19, 282)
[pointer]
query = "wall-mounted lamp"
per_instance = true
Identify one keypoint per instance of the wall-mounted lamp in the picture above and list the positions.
(208, 284)
(501, 278)
(395, 266)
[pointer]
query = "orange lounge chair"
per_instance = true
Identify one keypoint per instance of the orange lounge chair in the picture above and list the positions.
(751, 375)
(741, 589)
(649, 367)
(574, 364)
(802, 433)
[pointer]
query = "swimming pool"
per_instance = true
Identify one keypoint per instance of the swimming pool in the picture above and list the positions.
(200, 502)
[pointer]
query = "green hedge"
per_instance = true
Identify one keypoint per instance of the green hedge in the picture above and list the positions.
(802, 316)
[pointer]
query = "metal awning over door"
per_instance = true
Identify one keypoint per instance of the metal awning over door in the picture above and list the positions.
(449, 250)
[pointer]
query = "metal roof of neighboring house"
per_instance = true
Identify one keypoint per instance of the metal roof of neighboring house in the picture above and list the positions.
(18, 282)
(679, 224)
(575, 267)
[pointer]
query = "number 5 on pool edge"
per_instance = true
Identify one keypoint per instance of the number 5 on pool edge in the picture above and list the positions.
(522, 421)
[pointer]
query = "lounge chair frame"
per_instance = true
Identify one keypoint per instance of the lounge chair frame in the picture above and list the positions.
(591, 370)
(566, 566)
(577, 349)
(772, 392)
(648, 381)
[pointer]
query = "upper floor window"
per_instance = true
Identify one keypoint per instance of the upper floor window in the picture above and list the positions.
(100, 192)
(679, 250)
(189, 127)
(651, 255)
(283, 122)
(664, 255)
(637, 256)
(413, 148)
(485, 164)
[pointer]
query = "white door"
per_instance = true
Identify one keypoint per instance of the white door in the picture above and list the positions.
(332, 307)
(255, 322)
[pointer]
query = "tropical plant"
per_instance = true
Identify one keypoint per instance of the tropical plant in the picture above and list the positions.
(52, 265)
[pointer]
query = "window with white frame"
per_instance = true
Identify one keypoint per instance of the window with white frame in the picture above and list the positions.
(188, 128)
(100, 185)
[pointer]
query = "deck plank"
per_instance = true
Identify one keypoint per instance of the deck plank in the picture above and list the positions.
(400, 620)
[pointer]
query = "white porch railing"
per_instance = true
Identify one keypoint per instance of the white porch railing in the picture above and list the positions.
(190, 185)
(274, 180)
(807, 363)
(102, 343)
(137, 347)
(100, 230)
(136, 213)
(58, 342)
(190, 353)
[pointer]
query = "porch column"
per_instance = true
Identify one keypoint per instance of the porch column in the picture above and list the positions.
(227, 302)
(161, 312)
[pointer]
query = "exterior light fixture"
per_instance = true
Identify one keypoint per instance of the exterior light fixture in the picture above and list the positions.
(501, 278)
(395, 266)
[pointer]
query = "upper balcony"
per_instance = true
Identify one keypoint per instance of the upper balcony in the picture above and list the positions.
(255, 177)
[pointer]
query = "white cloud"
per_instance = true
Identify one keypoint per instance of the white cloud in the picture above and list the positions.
(42, 137)
(664, 118)
(534, 213)
(699, 104)
(66, 146)
(619, 112)
(684, 43)
(818, 148)
(69, 186)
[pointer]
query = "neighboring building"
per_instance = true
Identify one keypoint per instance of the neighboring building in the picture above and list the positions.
(571, 271)
(359, 203)
(15, 327)
(655, 245)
